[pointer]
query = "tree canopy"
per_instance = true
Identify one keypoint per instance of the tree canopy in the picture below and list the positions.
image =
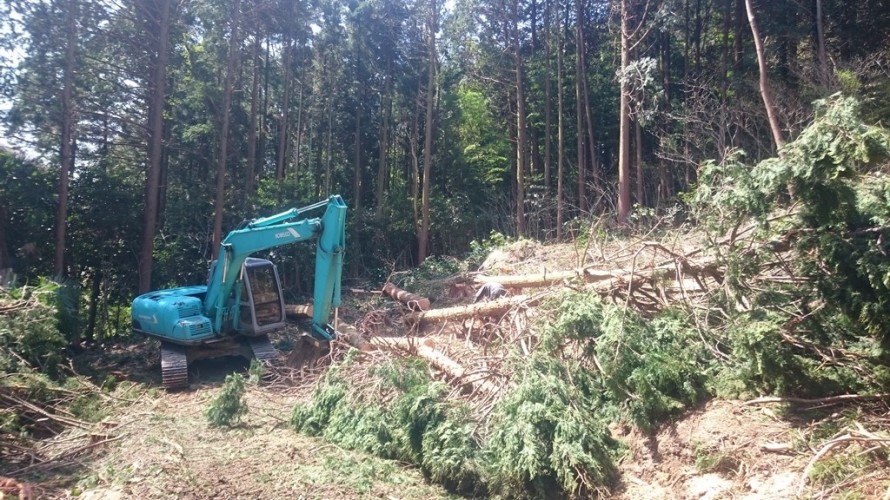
(156, 125)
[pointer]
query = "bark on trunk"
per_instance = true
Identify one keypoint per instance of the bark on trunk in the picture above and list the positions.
(560, 147)
(283, 119)
(424, 236)
(624, 124)
(521, 141)
(298, 311)
(548, 98)
(384, 144)
(426, 349)
(67, 150)
(764, 80)
(357, 162)
(579, 112)
(250, 181)
(413, 301)
(155, 150)
(219, 201)
(494, 307)
(820, 45)
(638, 143)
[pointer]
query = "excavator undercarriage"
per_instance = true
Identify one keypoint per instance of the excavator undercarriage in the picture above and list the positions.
(175, 359)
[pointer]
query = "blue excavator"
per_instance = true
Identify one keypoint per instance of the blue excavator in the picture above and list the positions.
(242, 302)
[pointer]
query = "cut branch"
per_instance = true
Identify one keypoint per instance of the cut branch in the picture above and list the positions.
(298, 311)
(827, 400)
(546, 279)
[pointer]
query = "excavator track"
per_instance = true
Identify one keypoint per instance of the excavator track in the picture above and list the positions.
(262, 349)
(174, 366)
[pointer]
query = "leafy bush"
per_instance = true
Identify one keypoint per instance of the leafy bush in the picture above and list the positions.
(29, 332)
(229, 406)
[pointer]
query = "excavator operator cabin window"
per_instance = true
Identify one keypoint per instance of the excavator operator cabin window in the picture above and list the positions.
(266, 295)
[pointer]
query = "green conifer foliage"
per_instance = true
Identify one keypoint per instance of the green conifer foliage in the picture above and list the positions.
(229, 406)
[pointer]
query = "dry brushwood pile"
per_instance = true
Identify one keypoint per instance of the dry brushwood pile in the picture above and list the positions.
(539, 390)
(44, 425)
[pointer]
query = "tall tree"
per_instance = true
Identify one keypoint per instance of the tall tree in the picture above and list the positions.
(250, 175)
(624, 114)
(560, 125)
(231, 61)
(423, 238)
(155, 17)
(579, 107)
(820, 45)
(765, 92)
(67, 139)
(521, 126)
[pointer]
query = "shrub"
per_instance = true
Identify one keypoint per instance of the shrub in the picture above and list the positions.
(29, 333)
(229, 406)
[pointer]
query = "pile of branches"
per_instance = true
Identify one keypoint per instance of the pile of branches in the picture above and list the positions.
(770, 293)
(48, 414)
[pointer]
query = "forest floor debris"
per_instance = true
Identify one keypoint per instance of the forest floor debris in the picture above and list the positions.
(154, 444)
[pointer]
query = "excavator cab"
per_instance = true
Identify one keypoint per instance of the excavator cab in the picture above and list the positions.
(262, 303)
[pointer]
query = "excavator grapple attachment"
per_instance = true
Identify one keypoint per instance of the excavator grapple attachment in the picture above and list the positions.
(307, 353)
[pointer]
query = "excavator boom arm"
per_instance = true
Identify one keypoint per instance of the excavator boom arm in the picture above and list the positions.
(272, 232)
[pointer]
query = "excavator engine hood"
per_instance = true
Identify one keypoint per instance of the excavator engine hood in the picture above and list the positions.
(174, 315)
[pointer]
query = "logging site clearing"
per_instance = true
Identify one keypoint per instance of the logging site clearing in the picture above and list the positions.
(427, 378)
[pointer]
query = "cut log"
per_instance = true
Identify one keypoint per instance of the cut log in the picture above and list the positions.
(426, 349)
(353, 337)
(528, 280)
(546, 279)
(492, 308)
(413, 301)
(298, 311)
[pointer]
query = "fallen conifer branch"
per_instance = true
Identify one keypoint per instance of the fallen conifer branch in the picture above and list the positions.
(61, 459)
(426, 349)
(850, 437)
(61, 419)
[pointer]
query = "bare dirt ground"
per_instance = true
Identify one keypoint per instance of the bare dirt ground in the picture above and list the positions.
(167, 450)
(160, 445)
(722, 450)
